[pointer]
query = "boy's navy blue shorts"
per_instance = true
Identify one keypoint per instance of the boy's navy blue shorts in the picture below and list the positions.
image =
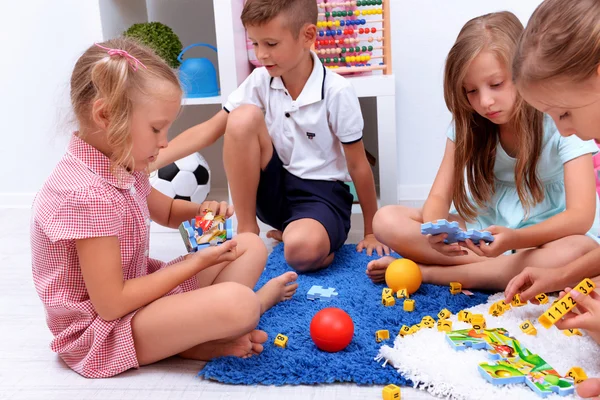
(283, 198)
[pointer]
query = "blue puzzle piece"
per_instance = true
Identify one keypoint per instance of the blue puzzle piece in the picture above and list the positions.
(318, 292)
(455, 233)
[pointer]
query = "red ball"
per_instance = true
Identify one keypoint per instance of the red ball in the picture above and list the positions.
(331, 329)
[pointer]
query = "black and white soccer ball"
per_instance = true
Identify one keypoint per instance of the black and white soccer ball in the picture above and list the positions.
(185, 179)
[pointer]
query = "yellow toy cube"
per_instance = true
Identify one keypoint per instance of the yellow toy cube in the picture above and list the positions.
(381, 335)
(409, 305)
(389, 301)
(391, 392)
(455, 287)
(405, 330)
(444, 314)
(577, 374)
(516, 301)
(428, 323)
(572, 332)
(528, 328)
(464, 315)
(281, 340)
(444, 325)
(477, 321)
(386, 292)
(542, 298)
(402, 293)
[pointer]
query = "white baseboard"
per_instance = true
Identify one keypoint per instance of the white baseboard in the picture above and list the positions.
(413, 192)
(16, 200)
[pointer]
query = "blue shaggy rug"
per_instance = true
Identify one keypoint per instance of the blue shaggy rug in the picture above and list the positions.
(301, 362)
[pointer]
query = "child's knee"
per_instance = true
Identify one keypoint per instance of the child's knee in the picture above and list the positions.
(386, 220)
(239, 305)
(241, 120)
(253, 243)
(305, 254)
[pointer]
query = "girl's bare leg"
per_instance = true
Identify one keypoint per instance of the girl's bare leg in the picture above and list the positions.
(399, 228)
(495, 273)
(247, 268)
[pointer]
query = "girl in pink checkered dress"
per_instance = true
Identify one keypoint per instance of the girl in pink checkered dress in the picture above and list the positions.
(109, 306)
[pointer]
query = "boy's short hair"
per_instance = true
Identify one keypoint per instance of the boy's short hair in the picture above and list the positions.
(297, 13)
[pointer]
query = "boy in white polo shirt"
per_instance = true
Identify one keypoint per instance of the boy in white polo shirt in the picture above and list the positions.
(293, 137)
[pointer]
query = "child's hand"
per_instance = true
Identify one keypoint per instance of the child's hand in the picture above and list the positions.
(217, 208)
(451, 250)
(504, 239)
(589, 317)
(370, 243)
(533, 281)
(213, 255)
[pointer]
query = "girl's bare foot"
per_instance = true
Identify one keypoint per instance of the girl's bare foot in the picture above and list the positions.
(277, 289)
(589, 388)
(244, 346)
(376, 268)
(275, 234)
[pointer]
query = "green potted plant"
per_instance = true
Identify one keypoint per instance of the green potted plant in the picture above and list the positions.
(160, 38)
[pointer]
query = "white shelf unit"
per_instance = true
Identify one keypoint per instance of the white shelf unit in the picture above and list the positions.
(233, 66)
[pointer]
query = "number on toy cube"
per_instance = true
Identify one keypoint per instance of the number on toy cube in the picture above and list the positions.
(281, 340)
(542, 298)
(389, 301)
(477, 321)
(391, 392)
(585, 286)
(516, 301)
(444, 314)
(402, 293)
(528, 328)
(428, 323)
(572, 332)
(444, 325)
(464, 316)
(577, 374)
(386, 292)
(405, 330)
(381, 335)
(409, 305)
(455, 287)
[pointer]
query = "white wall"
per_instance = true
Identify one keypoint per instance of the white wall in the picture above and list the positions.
(40, 42)
(423, 32)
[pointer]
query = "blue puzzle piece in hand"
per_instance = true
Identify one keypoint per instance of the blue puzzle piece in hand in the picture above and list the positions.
(455, 233)
(318, 292)
(442, 226)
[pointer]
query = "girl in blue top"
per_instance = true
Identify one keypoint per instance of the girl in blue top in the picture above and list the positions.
(506, 169)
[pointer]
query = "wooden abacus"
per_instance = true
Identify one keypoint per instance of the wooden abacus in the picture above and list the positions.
(341, 29)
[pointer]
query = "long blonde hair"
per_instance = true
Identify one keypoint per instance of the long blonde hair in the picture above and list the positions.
(561, 41)
(97, 75)
(476, 136)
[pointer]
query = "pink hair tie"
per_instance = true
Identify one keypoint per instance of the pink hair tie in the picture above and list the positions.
(134, 62)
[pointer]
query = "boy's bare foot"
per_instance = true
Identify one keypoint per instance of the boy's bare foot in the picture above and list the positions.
(250, 228)
(277, 289)
(275, 234)
(244, 346)
(376, 268)
(589, 388)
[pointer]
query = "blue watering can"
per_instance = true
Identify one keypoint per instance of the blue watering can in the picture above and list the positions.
(198, 75)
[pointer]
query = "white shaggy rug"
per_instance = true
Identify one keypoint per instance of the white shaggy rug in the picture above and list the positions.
(428, 360)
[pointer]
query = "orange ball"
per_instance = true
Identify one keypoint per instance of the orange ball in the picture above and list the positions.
(403, 274)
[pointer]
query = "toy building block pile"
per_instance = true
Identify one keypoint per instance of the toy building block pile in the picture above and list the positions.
(205, 230)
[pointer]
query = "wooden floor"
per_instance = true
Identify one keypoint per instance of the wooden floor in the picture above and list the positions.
(29, 370)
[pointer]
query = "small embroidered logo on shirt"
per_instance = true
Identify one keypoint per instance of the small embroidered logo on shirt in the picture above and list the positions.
(310, 135)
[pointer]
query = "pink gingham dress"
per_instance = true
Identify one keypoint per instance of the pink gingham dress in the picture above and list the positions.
(83, 199)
